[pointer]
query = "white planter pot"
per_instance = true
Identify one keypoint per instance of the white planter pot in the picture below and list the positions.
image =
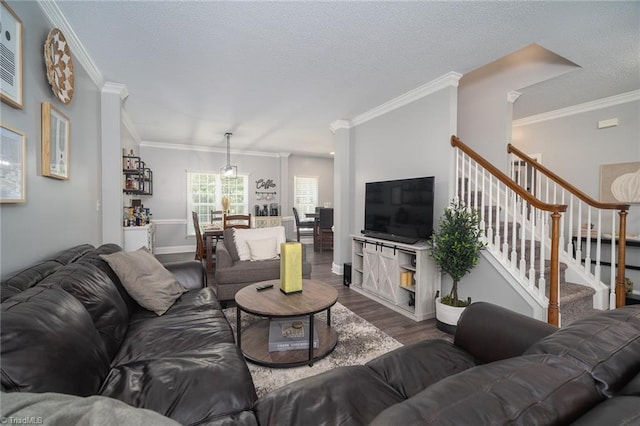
(447, 316)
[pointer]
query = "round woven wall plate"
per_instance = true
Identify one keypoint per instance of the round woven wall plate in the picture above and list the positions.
(57, 58)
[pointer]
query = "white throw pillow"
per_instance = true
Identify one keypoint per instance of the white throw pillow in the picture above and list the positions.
(241, 236)
(263, 249)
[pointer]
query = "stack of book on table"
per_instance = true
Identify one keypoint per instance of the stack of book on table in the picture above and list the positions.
(290, 334)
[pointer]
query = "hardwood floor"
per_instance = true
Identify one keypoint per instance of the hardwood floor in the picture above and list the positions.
(394, 324)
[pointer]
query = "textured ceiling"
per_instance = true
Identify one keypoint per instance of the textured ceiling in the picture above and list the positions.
(276, 74)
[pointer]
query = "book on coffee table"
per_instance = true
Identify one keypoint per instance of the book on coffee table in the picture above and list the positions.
(290, 334)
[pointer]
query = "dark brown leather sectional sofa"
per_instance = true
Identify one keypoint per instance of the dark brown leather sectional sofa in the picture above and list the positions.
(69, 327)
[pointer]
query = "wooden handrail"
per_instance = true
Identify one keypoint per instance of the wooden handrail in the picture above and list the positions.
(572, 189)
(622, 213)
(506, 179)
(553, 313)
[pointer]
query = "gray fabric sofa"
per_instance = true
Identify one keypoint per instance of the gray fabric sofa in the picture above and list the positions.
(232, 274)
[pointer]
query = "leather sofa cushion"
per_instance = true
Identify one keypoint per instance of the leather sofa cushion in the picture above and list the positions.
(211, 383)
(343, 396)
(32, 275)
(93, 288)
(188, 275)
(528, 390)
(606, 345)
(503, 342)
(412, 368)
(188, 328)
(71, 254)
(27, 278)
(620, 410)
(49, 344)
(93, 258)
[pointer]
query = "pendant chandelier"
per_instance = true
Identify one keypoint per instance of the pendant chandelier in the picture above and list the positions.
(228, 170)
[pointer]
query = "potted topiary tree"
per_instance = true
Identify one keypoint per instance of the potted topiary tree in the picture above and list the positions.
(455, 247)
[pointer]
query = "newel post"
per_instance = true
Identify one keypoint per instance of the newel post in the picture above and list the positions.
(621, 290)
(552, 313)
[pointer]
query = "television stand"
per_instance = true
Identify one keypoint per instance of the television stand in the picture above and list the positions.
(400, 276)
(391, 237)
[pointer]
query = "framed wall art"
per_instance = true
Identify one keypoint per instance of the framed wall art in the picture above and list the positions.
(11, 45)
(56, 132)
(12, 165)
(620, 182)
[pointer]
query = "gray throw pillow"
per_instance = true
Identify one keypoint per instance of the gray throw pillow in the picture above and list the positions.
(147, 281)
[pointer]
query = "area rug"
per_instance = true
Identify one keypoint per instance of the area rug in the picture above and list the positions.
(358, 342)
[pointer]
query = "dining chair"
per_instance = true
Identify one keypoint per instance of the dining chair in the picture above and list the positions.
(303, 227)
(325, 228)
(200, 250)
(237, 221)
(217, 217)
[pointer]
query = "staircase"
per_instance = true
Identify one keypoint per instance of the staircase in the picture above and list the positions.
(528, 224)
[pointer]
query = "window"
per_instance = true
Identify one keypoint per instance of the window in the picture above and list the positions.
(205, 192)
(305, 193)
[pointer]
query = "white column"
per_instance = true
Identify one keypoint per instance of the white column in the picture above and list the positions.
(112, 96)
(342, 194)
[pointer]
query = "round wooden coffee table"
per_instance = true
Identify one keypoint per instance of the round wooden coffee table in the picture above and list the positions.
(274, 304)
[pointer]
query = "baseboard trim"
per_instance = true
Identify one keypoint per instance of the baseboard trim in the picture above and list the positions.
(337, 269)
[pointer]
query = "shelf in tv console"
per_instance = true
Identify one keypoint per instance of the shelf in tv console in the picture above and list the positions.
(377, 268)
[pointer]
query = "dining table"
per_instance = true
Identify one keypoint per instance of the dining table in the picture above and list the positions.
(209, 233)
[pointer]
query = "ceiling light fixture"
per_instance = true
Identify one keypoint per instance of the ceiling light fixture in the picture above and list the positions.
(228, 170)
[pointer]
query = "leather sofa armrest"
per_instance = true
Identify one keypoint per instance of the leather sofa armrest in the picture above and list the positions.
(223, 257)
(491, 333)
(190, 273)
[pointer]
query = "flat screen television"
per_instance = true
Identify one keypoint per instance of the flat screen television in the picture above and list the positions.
(399, 210)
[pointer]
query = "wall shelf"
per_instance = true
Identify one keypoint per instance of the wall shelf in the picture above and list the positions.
(138, 178)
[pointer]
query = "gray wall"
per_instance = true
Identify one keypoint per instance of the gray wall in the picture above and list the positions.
(170, 165)
(57, 214)
(411, 141)
(574, 147)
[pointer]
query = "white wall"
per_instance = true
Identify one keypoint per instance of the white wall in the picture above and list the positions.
(57, 214)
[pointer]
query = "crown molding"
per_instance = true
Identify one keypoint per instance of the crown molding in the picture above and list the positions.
(116, 89)
(201, 148)
(339, 124)
(450, 79)
(58, 20)
(580, 108)
(512, 97)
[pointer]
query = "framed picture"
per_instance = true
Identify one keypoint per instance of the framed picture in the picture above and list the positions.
(56, 132)
(11, 65)
(12, 175)
(620, 182)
